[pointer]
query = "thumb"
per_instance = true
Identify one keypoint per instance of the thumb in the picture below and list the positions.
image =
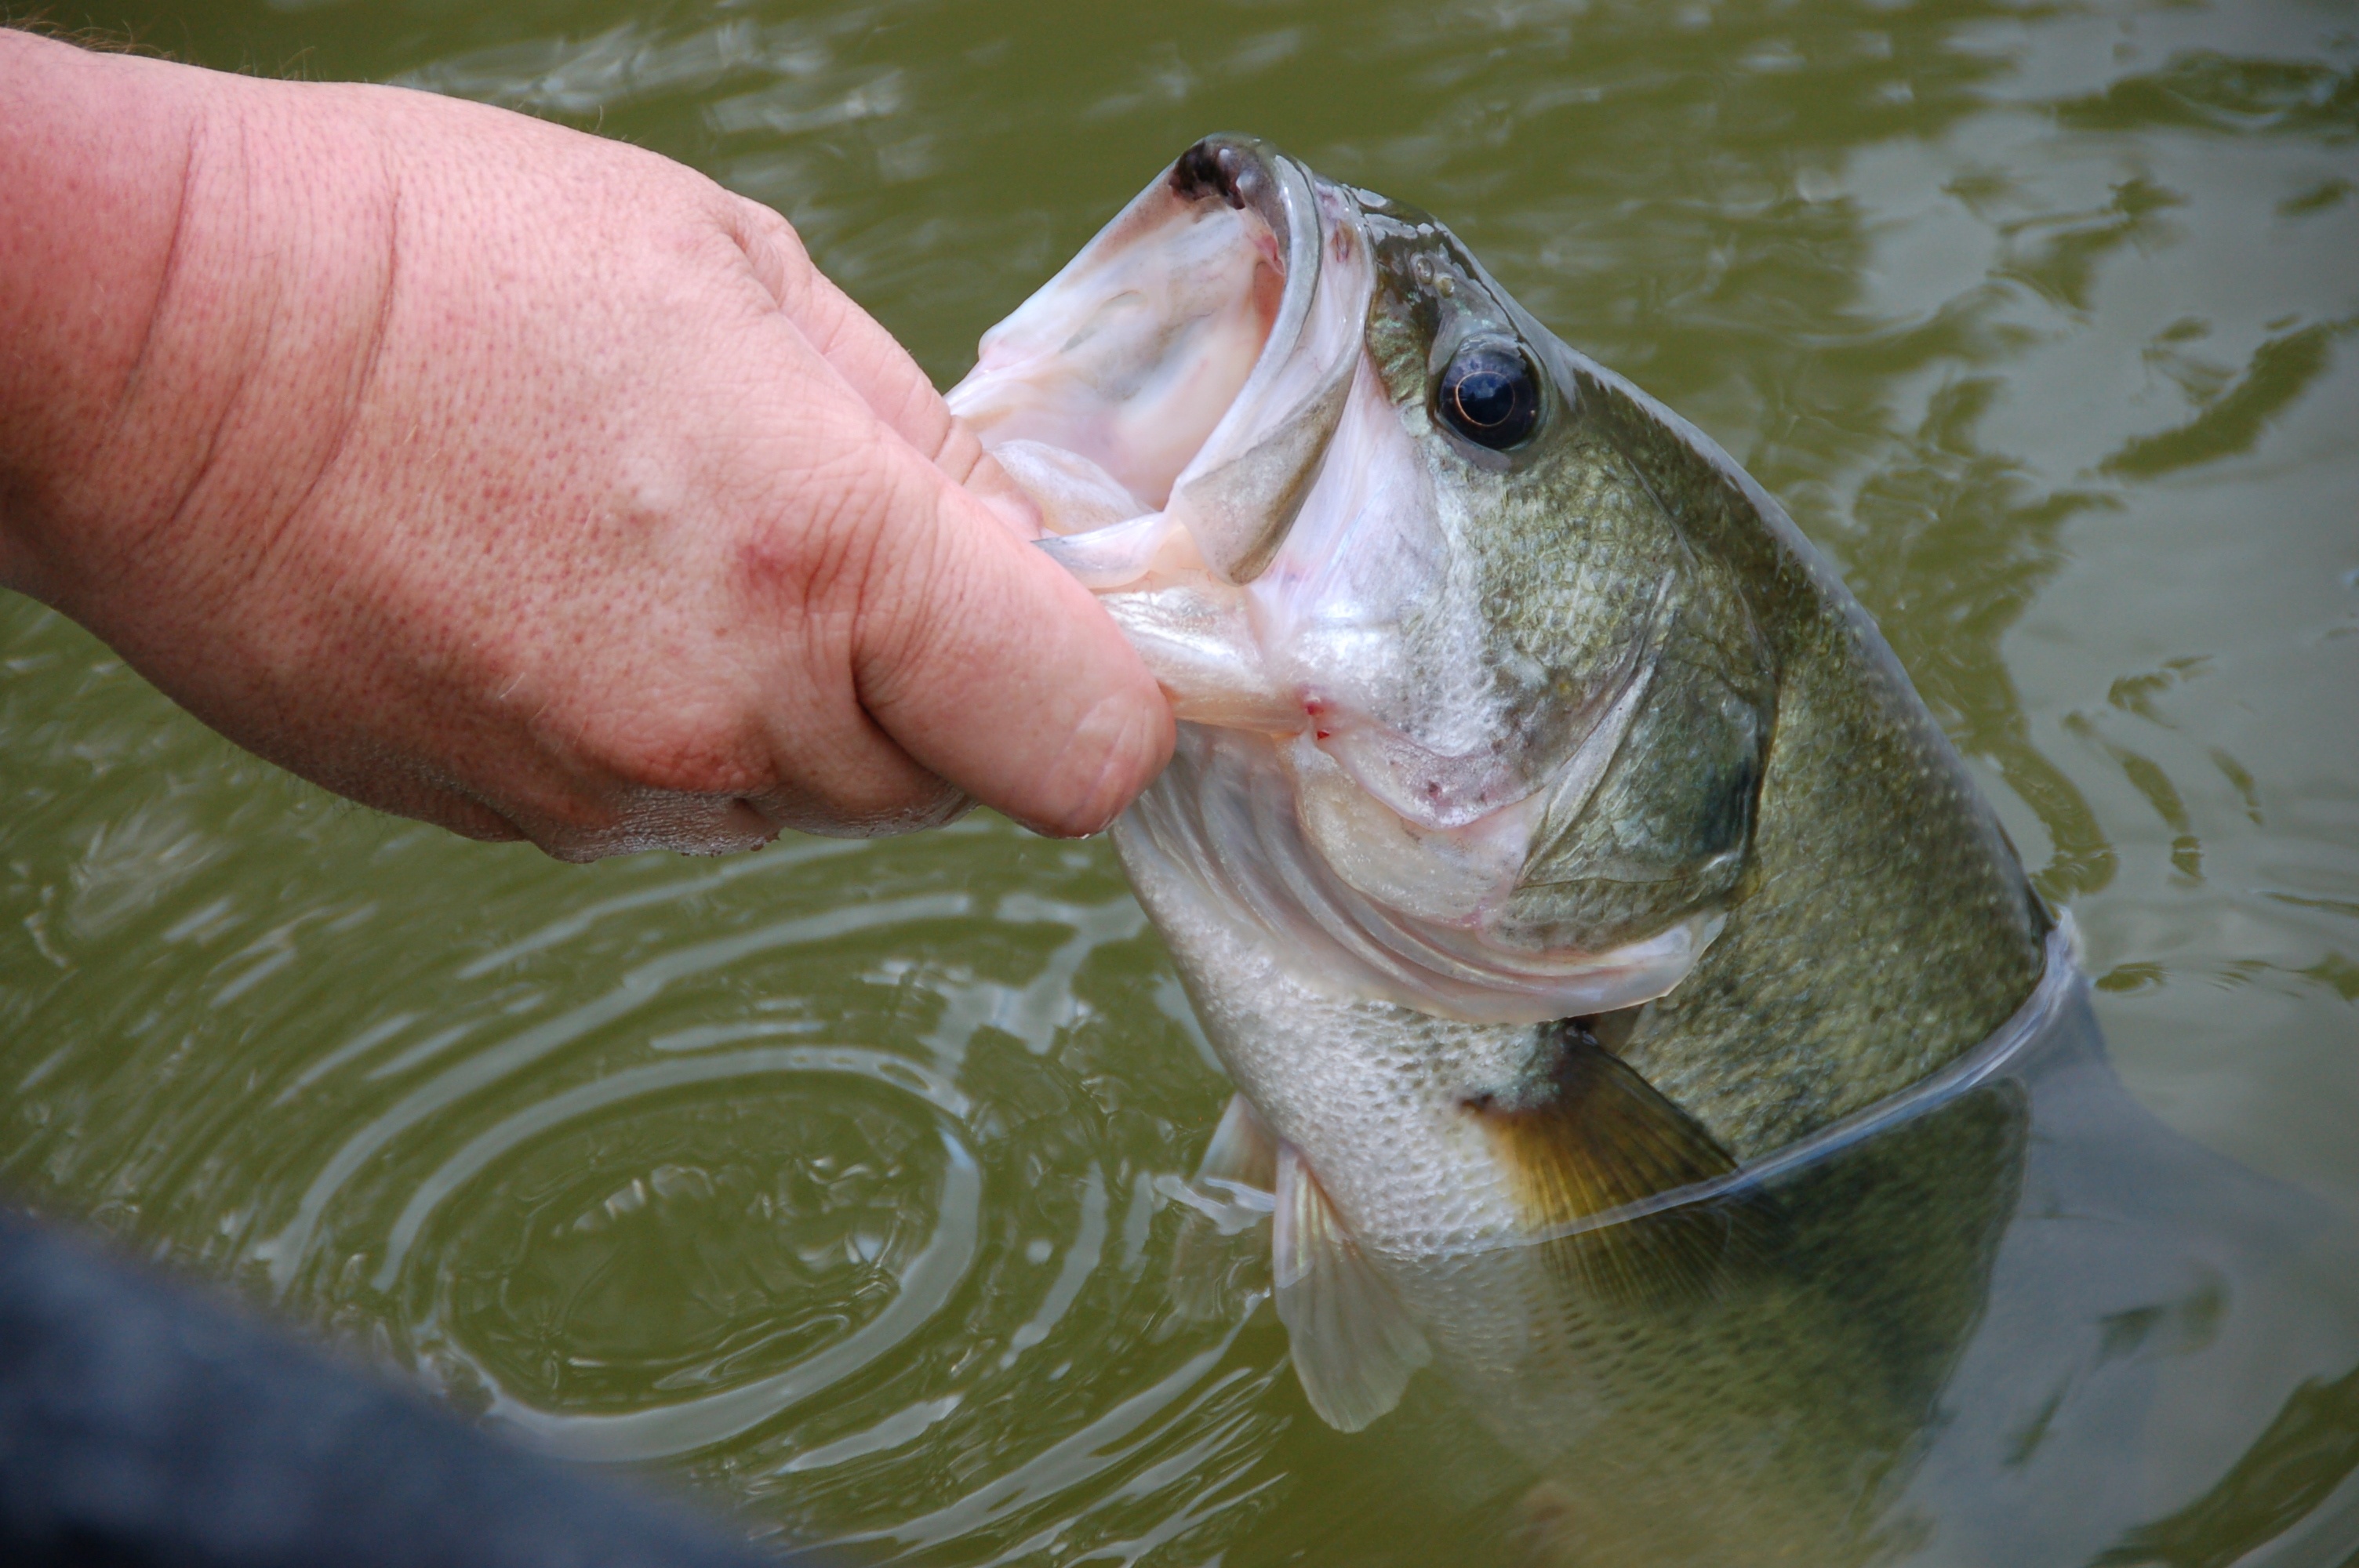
(998, 672)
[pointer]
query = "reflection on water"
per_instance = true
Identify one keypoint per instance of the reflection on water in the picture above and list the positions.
(2278, 1489)
(836, 1178)
(2023, 1323)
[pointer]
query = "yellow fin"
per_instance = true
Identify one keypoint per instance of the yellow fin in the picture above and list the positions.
(1353, 1347)
(1596, 1136)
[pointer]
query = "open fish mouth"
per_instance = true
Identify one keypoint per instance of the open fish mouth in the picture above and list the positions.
(1368, 770)
(1169, 396)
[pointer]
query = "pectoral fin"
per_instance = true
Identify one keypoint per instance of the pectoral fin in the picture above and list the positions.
(1596, 1137)
(1243, 1154)
(1354, 1347)
(1218, 1271)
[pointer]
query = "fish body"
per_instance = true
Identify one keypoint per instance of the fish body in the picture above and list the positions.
(1551, 843)
(1559, 719)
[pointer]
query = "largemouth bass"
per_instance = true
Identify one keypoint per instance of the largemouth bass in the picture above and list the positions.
(1553, 848)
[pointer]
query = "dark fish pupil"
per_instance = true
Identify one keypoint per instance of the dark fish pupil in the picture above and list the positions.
(1488, 395)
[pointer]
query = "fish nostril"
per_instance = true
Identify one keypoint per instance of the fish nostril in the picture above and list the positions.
(1208, 170)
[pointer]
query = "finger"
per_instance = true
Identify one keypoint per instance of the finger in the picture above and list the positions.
(974, 657)
(995, 670)
(872, 362)
(988, 483)
(941, 804)
(869, 358)
(887, 379)
(839, 770)
(408, 790)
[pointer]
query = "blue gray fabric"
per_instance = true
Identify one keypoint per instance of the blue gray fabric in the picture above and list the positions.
(143, 1421)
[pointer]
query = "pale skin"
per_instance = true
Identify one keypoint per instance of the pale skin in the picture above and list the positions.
(514, 480)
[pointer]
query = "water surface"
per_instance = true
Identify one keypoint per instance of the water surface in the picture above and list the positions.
(826, 1178)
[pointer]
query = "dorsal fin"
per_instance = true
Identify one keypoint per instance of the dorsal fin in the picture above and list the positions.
(1595, 1136)
(1353, 1347)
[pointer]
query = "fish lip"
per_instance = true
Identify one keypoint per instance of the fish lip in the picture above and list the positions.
(1216, 165)
(1236, 494)
(1310, 219)
(1246, 171)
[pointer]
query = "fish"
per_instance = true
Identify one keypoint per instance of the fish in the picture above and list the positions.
(1625, 987)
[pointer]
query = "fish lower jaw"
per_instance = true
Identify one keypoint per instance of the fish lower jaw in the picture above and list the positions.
(1219, 839)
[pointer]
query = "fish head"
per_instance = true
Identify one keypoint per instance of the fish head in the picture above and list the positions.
(1468, 724)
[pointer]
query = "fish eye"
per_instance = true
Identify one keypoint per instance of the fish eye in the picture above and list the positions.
(1490, 395)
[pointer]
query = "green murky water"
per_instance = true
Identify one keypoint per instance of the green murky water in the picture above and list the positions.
(825, 1177)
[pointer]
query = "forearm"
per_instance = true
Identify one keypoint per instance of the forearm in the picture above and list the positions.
(187, 273)
(520, 481)
(94, 181)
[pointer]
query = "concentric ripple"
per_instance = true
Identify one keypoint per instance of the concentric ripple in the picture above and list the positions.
(816, 1235)
(639, 1200)
(800, 1172)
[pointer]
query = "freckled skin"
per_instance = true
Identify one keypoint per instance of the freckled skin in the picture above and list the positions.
(513, 479)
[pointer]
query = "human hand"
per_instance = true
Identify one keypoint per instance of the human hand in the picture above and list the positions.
(520, 481)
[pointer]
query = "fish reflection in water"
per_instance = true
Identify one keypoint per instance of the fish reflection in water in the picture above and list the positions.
(2008, 1318)
(1637, 1016)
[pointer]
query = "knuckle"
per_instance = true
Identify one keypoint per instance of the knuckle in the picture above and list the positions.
(770, 246)
(573, 848)
(908, 604)
(562, 815)
(872, 807)
(773, 563)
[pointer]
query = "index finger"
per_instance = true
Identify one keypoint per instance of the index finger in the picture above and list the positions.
(875, 365)
(860, 350)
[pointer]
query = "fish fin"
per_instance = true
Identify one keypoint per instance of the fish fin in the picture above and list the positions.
(1353, 1347)
(1243, 1151)
(1216, 1271)
(1597, 1136)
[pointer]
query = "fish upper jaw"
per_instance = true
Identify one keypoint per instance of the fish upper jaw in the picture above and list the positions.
(1182, 376)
